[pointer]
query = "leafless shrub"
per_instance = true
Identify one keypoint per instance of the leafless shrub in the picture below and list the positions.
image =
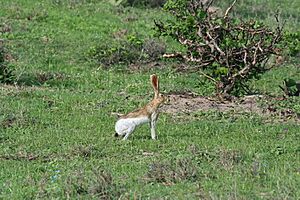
(185, 170)
(159, 172)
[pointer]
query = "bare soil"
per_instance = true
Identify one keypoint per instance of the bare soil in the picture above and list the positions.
(188, 102)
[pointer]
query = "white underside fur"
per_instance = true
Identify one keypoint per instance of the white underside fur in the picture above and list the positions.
(124, 126)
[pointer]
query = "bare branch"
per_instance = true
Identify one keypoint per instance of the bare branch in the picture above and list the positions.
(215, 44)
(245, 58)
(209, 77)
(206, 42)
(208, 6)
(229, 9)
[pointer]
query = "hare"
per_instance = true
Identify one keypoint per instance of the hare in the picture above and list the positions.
(149, 113)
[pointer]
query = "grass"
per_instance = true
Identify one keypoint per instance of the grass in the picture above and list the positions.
(56, 125)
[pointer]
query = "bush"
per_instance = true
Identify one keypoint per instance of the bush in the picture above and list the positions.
(292, 43)
(233, 51)
(129, 51)
(6, 70)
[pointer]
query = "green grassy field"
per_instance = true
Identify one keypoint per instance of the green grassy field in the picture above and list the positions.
(56, 126)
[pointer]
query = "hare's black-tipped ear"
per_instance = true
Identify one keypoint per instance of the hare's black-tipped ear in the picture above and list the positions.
(155, 84)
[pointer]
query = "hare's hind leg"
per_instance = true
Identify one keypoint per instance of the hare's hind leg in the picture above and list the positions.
(128, 132)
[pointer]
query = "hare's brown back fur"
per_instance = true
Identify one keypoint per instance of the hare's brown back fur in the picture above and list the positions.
(147, 110)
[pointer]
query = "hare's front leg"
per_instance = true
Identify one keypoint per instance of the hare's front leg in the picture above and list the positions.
(153, 125)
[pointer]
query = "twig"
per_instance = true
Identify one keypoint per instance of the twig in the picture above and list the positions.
(208, 5)
(199, 33)
(245, 58)
(209, 77)
(179, 55)
(172, 55)
(255, 53)
(215, 44)
(228, 9)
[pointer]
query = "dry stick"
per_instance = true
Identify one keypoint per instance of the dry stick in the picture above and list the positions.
(215, 44)
(213, 40)
(254, 56)
(279, 29)
(189, 42)
(191, 59)
(209, 77)
(241, 72)
(194, 8)
(245, 57)
(172, 55)
(228, 9)
(179, 55)
(208, 5)
(255, 52)
(206, 42)
(195, 60)
(232, 79)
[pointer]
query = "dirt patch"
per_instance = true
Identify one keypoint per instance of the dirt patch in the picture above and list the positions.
(189, 102)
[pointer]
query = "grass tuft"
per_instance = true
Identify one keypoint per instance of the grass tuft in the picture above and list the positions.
(94, 184)
(172, 172)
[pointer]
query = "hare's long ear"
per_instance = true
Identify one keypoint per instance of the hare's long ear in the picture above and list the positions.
(155, 84)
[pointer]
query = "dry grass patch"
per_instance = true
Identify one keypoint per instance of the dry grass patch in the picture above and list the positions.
(168, 173)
